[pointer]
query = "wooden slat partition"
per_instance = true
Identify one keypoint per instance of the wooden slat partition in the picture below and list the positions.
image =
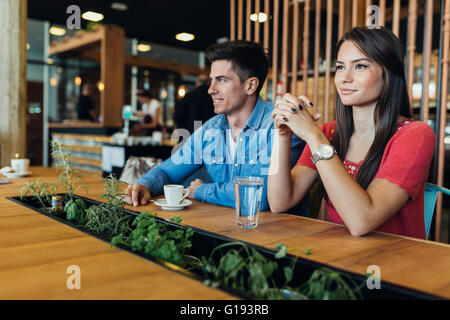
(445, 62)
(248, 29)
(428, 36)
(383, 12)
(396, 18)
(276, 8)
(316, 53)
(240, 18)
(306, 35)
(367, 11)
(355, 13)
(232, 19)
(294, 69)
(412, 24)
(328, 59)
(341, 18)
(257, 24)
(285, 49)
(266, 42)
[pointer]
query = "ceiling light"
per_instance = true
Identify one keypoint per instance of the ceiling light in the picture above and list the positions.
(92, 16)
(100, 86)
(185, 36)
(258, 17)
(181, 91)
(28, 46)
(78, 80)
(119, 6)
(50, 61)
(53, 82)
(142, 47)
(56, 31)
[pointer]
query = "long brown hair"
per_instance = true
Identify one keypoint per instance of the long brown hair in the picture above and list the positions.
(383, 47)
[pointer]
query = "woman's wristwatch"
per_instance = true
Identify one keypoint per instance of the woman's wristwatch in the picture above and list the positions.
(325, 151)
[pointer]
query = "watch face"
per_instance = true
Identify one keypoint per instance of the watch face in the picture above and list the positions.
(326, 151)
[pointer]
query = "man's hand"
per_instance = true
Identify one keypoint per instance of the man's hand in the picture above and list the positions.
(193, 186)
(137, 195)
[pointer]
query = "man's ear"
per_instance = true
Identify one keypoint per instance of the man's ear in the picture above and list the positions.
(251, 85)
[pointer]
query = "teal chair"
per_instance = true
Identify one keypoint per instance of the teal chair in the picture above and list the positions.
(431, 191)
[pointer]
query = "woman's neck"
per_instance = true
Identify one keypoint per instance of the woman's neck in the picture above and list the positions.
(363, 121)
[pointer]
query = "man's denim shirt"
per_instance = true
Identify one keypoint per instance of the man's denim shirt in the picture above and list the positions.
(207, 147)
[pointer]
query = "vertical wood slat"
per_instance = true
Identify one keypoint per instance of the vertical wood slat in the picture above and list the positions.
(341, 18)
(240, 18)
(257, 23)
(294, 70)
(427, 59)
(232, 20)
(445, 62)
(266, 42)
(276, 7)
(396, 18)
(382, 12)
(328, 58)
(316, 53)
(412, 19)
(354, 13)
(284, 50)
(306, 35)
(248, 29)
(367, 11)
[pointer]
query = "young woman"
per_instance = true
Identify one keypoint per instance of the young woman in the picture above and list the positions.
(372, 162)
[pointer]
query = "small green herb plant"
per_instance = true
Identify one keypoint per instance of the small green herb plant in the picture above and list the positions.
(156, 239)
(69, 179)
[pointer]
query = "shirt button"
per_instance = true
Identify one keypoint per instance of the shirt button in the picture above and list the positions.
(235, 164)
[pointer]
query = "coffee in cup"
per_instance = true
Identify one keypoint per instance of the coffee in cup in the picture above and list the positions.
(175, 194)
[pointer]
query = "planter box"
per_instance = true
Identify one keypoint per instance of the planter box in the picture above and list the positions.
(203, 242)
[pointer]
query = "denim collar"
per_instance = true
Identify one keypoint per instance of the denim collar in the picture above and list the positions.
(253, 122)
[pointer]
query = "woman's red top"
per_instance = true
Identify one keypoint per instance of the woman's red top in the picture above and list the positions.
(406, 162)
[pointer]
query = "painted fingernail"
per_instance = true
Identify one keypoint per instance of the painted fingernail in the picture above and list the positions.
(284, 119)
(311, 104)
(300, 107)
(293, 110)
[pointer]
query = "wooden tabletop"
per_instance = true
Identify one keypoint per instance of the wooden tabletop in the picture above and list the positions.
(35, 252)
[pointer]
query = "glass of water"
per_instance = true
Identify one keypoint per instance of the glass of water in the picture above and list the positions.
(248, 191)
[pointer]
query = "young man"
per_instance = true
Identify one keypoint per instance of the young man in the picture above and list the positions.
(235, 142)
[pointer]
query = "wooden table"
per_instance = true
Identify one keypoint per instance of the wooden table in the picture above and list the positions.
(35, 252)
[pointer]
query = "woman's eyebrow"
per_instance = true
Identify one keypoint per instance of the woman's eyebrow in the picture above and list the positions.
(356, 60)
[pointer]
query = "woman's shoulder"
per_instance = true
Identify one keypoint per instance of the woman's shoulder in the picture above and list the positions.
(413, 128)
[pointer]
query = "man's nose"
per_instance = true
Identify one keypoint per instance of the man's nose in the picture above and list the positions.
(212, 89)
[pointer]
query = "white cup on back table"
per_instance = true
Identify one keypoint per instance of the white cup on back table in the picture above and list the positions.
(20, 165)
(175, 194)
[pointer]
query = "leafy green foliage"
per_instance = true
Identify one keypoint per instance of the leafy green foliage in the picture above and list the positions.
(43, 192)
(109, 219)
(326, 284)
(69, 176)
(76, 211)
(156, 239)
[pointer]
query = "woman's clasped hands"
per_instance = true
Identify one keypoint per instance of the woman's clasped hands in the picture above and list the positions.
(291, 115)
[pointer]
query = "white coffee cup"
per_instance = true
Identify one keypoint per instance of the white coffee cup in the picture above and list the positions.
(175, 193)
(20, 165)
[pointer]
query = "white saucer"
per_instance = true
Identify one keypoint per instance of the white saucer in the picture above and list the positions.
(13, 174)
(163, 204)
